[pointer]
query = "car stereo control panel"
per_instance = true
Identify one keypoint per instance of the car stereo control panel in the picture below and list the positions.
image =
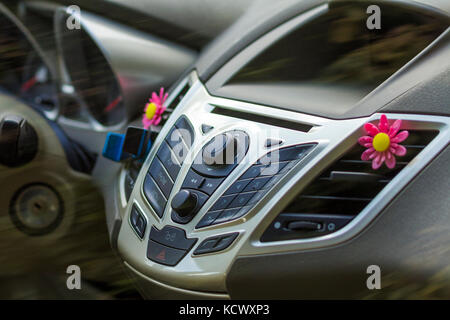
(216, 160)
(214, 182)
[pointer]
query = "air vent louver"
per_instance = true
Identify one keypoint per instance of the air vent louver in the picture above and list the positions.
(174, 103)
(341, 191)
(178, 97)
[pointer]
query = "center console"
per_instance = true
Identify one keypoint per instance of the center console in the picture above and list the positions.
(219, 175)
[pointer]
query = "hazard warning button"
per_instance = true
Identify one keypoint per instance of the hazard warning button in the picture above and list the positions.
(164, 255)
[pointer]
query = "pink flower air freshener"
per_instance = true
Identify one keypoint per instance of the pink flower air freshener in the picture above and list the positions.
(382, 143)
(154, 109)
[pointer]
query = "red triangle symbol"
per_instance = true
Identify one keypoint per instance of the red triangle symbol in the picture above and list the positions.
(162, 255)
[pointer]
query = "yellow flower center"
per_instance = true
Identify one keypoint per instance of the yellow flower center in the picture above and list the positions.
(151, 110)
(381, 142)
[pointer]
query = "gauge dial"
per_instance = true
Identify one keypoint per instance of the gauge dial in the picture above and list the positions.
(90, 74)
(23, 72)
(14, 50)
(37, 85)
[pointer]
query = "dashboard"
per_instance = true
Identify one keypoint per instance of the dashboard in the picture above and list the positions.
(294, 212)
(256, 185)
(82, 77)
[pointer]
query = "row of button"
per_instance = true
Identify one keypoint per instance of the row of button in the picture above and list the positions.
(138, 222)
(253, 185)
(203, 179)
(170, 244)
(216, 243)
(166, 165)
(205, 184)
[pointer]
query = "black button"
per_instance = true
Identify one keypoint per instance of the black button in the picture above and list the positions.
(242, 145)
(223, 202)
(138, 222)
(186, 130)
(293, 153)
(184, 203)
(226, 215)
(174, 138)
(273, 168)
(193, 180)
(288, 166)
(164, 255)
(172, 237)
(201, 199)
(252, 172)
(216, 243)
(258, 196)
(225, 241)
(257, 184)
(286, 154)
(208, 219)
(168, 160)
(273, 142)
(238, 186)
(206, 128)
(273, 181)
(154, 196)
(242, 212)
(206, 246)
(176, 142)
(210, 185)
(211, 171)
(161, 177)
(241, 199)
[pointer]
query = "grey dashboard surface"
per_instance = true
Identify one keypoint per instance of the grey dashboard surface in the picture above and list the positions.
(429, 97)
(408, 241)
(206, 17)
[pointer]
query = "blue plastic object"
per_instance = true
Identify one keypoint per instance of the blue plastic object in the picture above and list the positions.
(113, 146)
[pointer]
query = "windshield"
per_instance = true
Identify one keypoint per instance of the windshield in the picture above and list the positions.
(334, 61)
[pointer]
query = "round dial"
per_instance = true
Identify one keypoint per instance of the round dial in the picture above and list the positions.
(221, 150)
(184, 203)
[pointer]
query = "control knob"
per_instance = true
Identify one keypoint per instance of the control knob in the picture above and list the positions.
(18, 141)
(184, 203)
(221, 150)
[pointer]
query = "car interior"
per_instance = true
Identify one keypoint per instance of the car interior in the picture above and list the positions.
(293, 145)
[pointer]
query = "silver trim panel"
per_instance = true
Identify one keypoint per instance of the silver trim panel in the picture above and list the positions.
(333, 138)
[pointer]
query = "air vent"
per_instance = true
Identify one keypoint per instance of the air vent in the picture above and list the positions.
(340, 193)
(178, 97)
(175, 102)
(261, 119)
